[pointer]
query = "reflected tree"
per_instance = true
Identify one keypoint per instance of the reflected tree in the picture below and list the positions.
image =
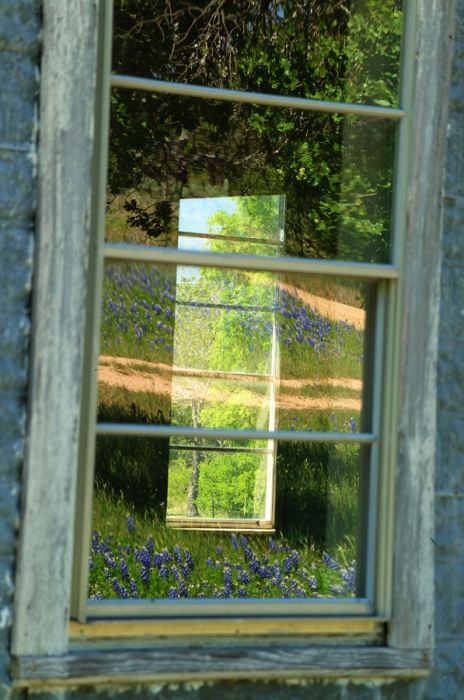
(334, 171)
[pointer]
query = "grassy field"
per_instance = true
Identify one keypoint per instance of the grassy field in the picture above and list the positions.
(142, 558)
(313, 552)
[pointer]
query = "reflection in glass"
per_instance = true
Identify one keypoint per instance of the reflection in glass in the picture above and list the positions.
(231, 484)
(208, 359)
(315, 551)
(334, 171)
(324, 49)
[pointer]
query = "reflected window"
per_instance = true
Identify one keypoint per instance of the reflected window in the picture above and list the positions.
(226, 366)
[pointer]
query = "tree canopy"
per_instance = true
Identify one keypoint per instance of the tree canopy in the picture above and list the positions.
(335, 171)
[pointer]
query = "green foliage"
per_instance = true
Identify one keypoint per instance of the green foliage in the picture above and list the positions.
(153, 561)
(335, 171)
(132, 468)
(317, 492)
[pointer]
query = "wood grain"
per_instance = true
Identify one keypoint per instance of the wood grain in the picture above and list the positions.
(67, 96)
(182, 662)
(413, 576)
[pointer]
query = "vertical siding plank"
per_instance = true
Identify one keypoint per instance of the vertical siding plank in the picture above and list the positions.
(67, 95)
(413, 579)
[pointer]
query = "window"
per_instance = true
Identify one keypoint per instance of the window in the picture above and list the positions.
(372, 438)
(256, 346)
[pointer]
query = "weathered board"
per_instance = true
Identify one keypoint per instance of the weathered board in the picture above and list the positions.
(182, 662)
(67, 94)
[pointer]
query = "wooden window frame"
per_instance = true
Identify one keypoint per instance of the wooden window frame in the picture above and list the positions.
(43, 649)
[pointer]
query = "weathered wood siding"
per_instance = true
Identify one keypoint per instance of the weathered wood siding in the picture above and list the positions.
(63, 214)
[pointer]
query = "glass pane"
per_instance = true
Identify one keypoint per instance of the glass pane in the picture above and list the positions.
(325, 49)
(211, 402)
(333, 172)
(317, 548)
(218, 484)
(233, 349)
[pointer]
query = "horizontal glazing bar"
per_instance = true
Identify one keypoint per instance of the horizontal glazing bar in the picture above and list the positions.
(221, 523)
(236, 239)
(204, 448)
(144, 430)
(271, 608)
(148, 254)
(210, 93)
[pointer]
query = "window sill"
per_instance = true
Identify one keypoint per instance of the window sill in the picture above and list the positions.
(151, 651)
(187, 659)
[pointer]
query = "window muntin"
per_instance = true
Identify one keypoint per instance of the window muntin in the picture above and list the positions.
(379, 272)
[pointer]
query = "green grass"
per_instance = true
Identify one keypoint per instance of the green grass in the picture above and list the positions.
(127, 563)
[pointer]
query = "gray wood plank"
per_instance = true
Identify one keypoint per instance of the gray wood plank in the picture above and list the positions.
(177, 662)
(413, 583)
(67, 87)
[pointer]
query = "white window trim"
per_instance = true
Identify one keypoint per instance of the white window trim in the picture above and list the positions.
(41, 643)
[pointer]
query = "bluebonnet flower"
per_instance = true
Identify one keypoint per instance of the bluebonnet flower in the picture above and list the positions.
(167, 558)
(150, 544)
(158, 560)
(353, 425)
(227, 576)
(110, 561)
(349, 577)
(177, 554)
(133, 589)
(234, 541)
(144, 574)
(219, 549)
(264, 572)
(189, 560)
(328, 561)
(312, 583)
(209, 562)
(119, 589)
(254, 565)
(145, 557)
(164, 571)
(173, 593)
(243, 541)
(123, 569)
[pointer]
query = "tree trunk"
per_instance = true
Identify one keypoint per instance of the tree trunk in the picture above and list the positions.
(192, 510)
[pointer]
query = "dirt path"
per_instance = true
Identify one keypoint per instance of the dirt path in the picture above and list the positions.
(142, 376)
(334, 310)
